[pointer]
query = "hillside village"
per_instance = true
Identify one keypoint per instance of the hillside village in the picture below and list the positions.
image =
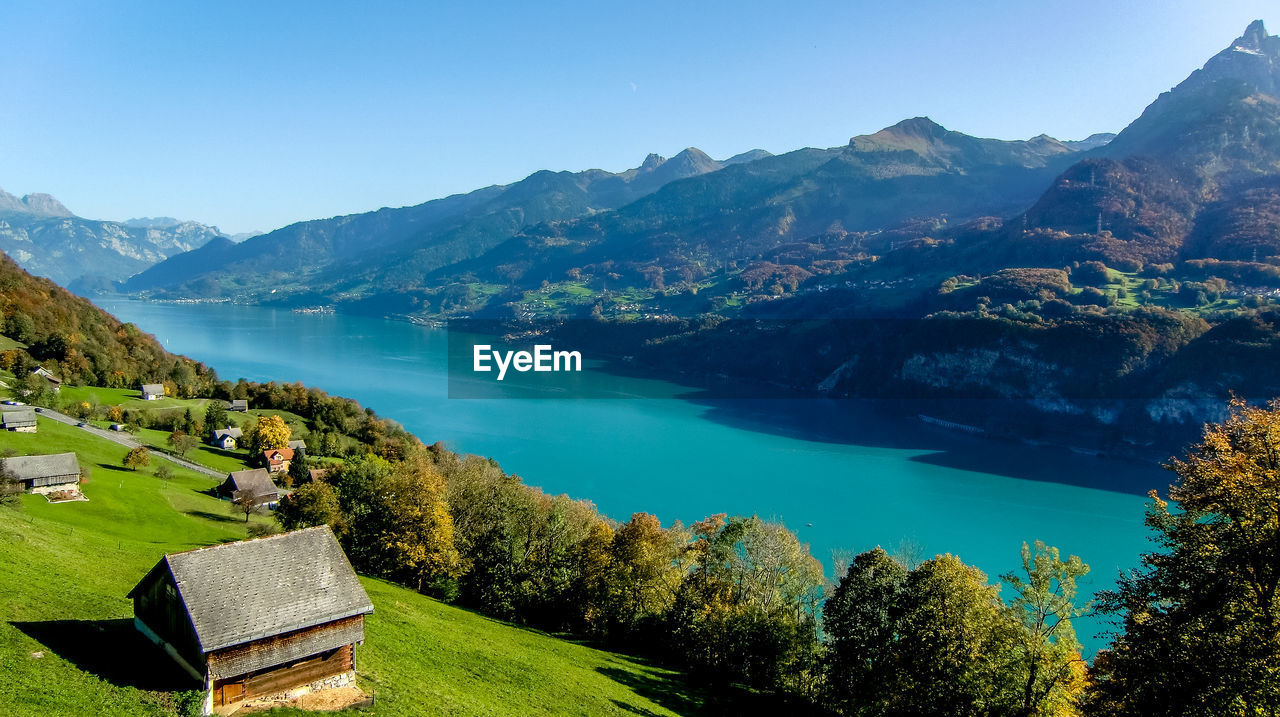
(210, 623)
(232, 630)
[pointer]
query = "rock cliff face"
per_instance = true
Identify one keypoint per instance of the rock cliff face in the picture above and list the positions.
(46, 239)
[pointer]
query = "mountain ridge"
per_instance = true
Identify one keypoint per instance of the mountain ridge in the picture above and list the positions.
(47, 239)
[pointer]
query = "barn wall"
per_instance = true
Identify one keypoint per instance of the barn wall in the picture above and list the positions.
(72, 484)
(157, 605)
(286, 648)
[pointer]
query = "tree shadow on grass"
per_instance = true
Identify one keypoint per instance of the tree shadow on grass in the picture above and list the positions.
(241, 456)
(113, 650)
(674, 692)
(116, 469)
(216, 517)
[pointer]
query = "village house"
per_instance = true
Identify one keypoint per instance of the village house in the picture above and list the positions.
(226, 438)
(239, 404)
(45, 474)
(22, 420)
(54, 382)
(275, 617)
(277, 459)
(152, 391)
(298, 446)
(256, 481)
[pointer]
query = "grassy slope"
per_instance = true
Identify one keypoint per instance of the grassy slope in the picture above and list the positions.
(73, 563)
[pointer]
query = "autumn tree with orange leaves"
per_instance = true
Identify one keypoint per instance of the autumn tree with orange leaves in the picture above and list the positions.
(1201, 617)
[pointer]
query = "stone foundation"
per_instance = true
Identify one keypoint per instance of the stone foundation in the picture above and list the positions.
(345, 679)
(56, 488)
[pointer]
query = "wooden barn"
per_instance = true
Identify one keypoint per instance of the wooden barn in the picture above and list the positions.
(21, 420)
(255, 480)
(152, 391)
(45, 474)
(266, 618)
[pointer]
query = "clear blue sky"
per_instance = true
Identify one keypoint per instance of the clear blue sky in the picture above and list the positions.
(255, 115)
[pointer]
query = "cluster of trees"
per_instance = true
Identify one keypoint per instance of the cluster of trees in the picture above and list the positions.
(937, 639)
(85, 346)
(82, 344)
(738, 600)
(336, 426)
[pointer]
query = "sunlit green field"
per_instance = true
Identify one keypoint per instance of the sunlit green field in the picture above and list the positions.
(67, 645)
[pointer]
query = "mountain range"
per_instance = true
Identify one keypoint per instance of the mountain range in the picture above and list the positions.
(393, 260)
(47, 239)
(1143, 266)
(431, 235)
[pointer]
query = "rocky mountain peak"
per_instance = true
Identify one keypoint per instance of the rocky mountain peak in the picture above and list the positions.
(1254, 36)
(1254, 58)
(45, 204)
(10, 203)
(652, 162)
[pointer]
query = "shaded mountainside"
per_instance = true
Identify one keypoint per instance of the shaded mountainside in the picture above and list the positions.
(391, 244)
(48, 240)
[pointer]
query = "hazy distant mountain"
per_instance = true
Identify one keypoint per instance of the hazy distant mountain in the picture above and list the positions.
(1093, 141)
(38, 204)
(151, 222)
(419, 238)
(46, 239)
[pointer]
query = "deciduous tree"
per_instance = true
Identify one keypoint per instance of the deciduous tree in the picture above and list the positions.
(247, 502)
(310, 505)
(268, 433)
(1201, 616)
(1047, 649)
(182, 442)
(137, 458)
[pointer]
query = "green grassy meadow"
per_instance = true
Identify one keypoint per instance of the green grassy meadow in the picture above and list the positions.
(67, 645)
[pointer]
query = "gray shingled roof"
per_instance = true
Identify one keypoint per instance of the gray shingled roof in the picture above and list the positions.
(156, 389)
(257, 480)
(238, 592)
(26, 417)
(233, 431)
(298, 445)
(33, 467)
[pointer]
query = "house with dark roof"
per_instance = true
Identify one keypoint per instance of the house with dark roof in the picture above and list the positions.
(239, 404)
(54, 382)
(275, 617)
(255, 481)
(152, 391)
(226, 438)
(22, 420)
(298, 445)
(277, 459)
(45, 474)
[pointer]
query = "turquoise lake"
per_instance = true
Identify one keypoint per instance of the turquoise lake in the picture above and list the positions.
(839, 475)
